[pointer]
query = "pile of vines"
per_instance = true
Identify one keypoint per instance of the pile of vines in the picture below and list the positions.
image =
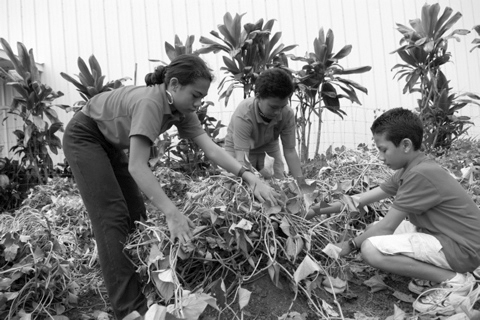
(48, 255)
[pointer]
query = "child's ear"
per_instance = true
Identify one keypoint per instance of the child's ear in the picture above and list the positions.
(407, 144)
(173, 83)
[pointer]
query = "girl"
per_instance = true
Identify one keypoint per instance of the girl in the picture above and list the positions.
(109, 182)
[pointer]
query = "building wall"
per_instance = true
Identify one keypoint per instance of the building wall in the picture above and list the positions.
(125, 34)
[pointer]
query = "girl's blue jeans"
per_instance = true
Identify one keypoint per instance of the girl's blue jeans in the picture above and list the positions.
(113, 202)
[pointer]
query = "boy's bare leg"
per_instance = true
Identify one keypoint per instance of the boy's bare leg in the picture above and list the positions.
(404, 265)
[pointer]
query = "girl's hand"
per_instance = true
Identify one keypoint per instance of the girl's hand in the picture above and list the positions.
(180, 227)
(264, 192)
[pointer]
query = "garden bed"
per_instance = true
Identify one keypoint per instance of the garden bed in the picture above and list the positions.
(246, 261)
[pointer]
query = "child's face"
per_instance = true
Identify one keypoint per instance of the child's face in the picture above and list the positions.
(393, 157)
(188, 99)
(271, 107)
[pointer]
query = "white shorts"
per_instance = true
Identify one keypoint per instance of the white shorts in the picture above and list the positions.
(408, 241)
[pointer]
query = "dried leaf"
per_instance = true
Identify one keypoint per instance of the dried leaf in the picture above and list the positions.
(268, 167)
(403, 297)
(102, 315)
(329, 309)
(307, 267)
(398, 314)
(155, 255)
(274, 272)
(156, 312)
(243, 297)
(375, 283)
(165, 288)
(293, 315)
(219, 292)
(243, 224)
(191, 305)
(294, 206)
(285, 226)
(332, 251)
(336, 285)
(361, 316)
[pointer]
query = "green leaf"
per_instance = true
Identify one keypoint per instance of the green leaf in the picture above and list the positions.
(212, 46)
(319, 50)
(92, 91)
(449, 24)
(461, 32)
(189, 43)
(353, 84)
(433, 14)
(426, 19)
(99, 83)
(28, 134)
(345, 51)
(95, 66)
(329, 43)
(85, 73)
(23, 56)
(445, 15)
(228, 38)
(321, 36)
(230, 64)
(16, 63)
(19, 88)
(418, 27)
(268, 25)
(440, 61)
(354, 70)
(170, 50)
(35, 75)
(73, 81)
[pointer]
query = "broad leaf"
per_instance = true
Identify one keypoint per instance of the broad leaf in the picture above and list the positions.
(243, 297)
(306, 268)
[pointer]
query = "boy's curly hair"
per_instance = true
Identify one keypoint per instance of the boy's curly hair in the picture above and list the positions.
(398, 124)
(274, 83)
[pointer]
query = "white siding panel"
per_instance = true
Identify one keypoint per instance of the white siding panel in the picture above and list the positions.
(125, 33)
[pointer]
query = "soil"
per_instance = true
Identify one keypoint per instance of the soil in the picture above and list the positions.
(267, 302)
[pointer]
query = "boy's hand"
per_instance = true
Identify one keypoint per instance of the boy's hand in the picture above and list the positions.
(346, 250)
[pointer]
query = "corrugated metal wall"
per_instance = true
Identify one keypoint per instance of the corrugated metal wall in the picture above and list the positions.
(125, 34)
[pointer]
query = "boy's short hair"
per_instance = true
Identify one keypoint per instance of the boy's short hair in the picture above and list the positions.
(274, 83)
(398, 124)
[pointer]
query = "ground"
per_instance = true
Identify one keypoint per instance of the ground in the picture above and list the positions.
(268, 302)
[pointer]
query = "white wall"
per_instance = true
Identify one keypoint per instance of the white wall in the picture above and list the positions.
(123, 34)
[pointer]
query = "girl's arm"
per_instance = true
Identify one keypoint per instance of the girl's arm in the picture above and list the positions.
(262, 191)
(178, 224)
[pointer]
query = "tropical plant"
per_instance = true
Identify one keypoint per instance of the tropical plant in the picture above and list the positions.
(178, 48)
(319, 87)
(34, 103)
(424, 51)
(91, 81)
(476, 41)
(250, 51)
(185, 156)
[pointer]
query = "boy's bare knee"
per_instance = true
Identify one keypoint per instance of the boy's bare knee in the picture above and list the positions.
(370, 254)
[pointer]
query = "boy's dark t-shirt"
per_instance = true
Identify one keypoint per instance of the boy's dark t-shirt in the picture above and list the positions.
(440, 206)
